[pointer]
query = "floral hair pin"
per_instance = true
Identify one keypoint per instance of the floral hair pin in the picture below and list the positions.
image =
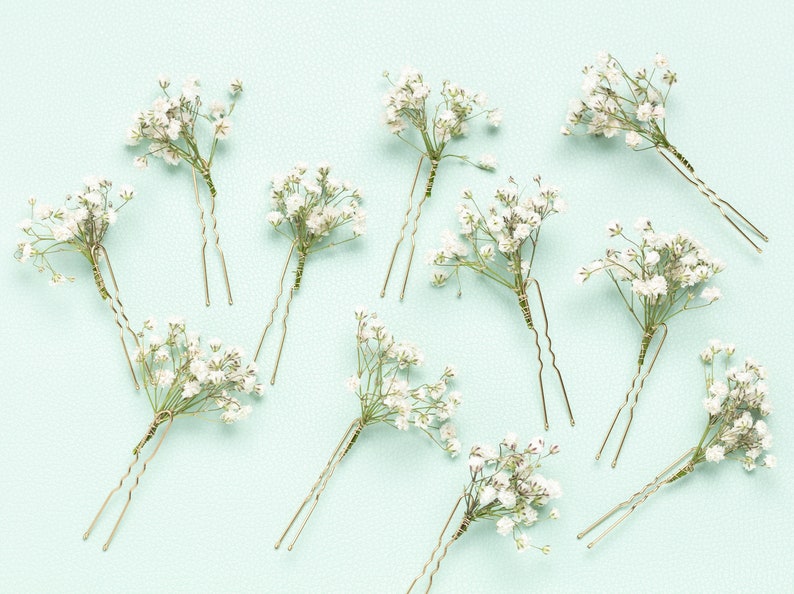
(406, 104)
(505, 487)
(78, 226)
(309, 209)
(386, 395)
(501, 246)
(638, 109)
(172, 126)
(734, 429)
(182, 379)
(658, 278)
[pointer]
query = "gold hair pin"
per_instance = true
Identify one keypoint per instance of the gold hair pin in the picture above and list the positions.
(385, 395)
(308, 209)
(500, 244)
(638, 108)
(181, 379)
(658, 277)
(505, 487)
(735, 404)
(406, 104)
(170, 126)
(79, 226)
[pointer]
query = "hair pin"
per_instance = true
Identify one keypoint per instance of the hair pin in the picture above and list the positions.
(79, 225)
(385, 395)
(658, 278)
(502, 241)
(406, 104)
(170, 126)
(639, 110)
(181, 379)
(735, 405)
(308, 208)
(506, 487)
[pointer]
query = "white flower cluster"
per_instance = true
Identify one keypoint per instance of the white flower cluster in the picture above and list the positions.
(382, 385)
(495, 238)
(313, 204)
(664, 271)
(78, 225)
(182, 378)
(608, 108)
(735, 405)
(170, 124)
(406, 103)
(506, 487)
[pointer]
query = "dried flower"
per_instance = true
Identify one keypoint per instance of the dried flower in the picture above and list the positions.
(406, 107)
(736, 404)
(79, 225)
(505, 487)
(658, 278)
(639, 110)
(182, 379)
(499, 243)
(310, 208)
(386, 395)
(173, 129)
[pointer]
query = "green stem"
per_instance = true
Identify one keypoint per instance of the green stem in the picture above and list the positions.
(299, 271)
(646, 341)
(523, 302)
(98, 280)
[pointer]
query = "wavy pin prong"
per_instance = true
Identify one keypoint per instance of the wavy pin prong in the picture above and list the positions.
(523, 301)
(654, 485)
(436, 548)
(637, 393)
(688, 173)
(113, 301)
(534, 281)
(275, 303)
(341, 449)
(431, 178)
(647, 338)
(159, 419)
(203, 238)
(405, 224)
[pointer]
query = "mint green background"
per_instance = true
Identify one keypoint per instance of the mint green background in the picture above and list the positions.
(214, 500)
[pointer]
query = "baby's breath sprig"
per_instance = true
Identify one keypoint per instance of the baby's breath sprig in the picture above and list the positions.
(735, 403)
(500, 244)
(658, 278)
(406, 106)
(505, 487)
(308, 209)
(174, 127)
(182, 379)
(386, 395)
(639, 110)
(79, 225)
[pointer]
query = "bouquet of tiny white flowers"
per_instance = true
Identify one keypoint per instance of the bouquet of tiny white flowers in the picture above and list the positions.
(736, 404)
(500, 244)
(505, 487)
(182, 379)
(386, 395)
(658, 278)
(406, 104)
(308, 209)
(639, 110)
(79, 225)
(173, 127)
